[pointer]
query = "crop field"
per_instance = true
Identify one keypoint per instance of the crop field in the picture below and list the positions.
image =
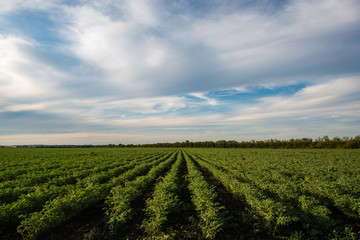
(189, 193)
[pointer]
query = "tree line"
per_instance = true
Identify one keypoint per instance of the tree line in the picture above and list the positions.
(320, 142)
(324, 142)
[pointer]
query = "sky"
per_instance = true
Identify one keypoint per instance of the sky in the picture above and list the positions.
(145, 71)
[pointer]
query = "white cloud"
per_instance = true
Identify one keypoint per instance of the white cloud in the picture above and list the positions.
(143, 105)
(328, 94)
(7, 6)
(26, 107)
(124, 49)
(340, 96)
(143, 12)
(21, 76)
(255, 45)
(210, 101)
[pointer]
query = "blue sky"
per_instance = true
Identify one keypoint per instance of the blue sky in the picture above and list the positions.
(143, 71)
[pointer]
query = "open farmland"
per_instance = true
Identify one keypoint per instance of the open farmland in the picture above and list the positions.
(191, 193)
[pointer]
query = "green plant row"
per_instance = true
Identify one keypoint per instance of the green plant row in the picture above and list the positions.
(164, 200)
(10, 214)
(62, 208)
(312, 213)
(24, 164)
(41, 164)
(347, 203)
(271, 214)
(39, 177)
(59, 176)
(11, 194)
(34, 201)
(118, 202)
(319, 187)
(314, 189)
(203, 197)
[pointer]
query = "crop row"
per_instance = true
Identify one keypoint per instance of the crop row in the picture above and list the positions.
(51, 175)
(204, 199)
(314, 185)
(272, 214)
(164, 200)
(34, 201)
(27, 167)
(13, 192)
(119, 211)
(64, 207)
(291, 195)
(309, 210)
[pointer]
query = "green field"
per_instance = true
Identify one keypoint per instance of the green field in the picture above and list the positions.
(190, 193)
